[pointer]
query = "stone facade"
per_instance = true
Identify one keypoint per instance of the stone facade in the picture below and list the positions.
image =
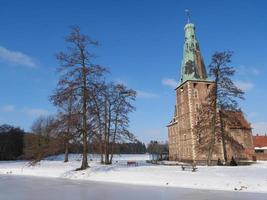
(182, 140)
(190, 95)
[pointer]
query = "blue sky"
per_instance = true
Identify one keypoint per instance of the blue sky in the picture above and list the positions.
(141, 44)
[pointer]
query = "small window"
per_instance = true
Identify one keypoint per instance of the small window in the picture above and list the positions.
(197, 107)
(199, 138)
(195, 94)
(196, 119)
(259, 151)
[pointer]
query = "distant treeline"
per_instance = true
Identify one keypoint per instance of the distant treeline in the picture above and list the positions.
(11, 142)
(15, 143)
(124, 148)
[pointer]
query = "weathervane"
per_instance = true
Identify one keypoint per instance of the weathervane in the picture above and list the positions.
(188, 15)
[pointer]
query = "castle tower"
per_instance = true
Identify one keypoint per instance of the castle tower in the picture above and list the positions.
(193, 67)
(184, 141)
(190, 94)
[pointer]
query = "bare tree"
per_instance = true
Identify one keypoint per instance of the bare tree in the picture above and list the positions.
(78, 73)
(43, 128)
(122, 106)
(67, 121)
(222, 97)
(203, 131)
(225, 91)
(111, 106)
(97, 108)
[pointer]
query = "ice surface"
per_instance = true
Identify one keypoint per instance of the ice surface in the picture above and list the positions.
(36, 188)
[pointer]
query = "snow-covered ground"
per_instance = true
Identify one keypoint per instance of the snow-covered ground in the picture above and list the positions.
(251, 178)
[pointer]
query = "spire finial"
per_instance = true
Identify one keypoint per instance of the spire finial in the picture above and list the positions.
(188, 15)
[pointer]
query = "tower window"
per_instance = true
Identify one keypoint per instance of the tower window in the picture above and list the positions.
(195, 94)
(199, 138)
(197, 107)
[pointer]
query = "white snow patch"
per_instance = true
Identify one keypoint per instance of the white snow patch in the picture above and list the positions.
(251, 178)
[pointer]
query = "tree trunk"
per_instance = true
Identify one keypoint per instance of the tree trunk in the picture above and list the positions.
(85, 146)
(107, 150)
(212, 141)
(114, 139)
(213, 124)
(101, 146)
(84, 159)
(102, 158)
(107, 130)
(84, 137)
(112, 149)
(223, 137)
(66, 159)
(101, 151)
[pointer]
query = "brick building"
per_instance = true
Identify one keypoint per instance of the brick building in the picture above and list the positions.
(190, 94)
(260, 144)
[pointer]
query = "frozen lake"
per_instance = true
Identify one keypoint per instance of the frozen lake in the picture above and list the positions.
(35, 188)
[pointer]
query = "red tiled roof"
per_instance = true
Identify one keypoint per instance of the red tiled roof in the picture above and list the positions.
(260, 141)
(236, 119)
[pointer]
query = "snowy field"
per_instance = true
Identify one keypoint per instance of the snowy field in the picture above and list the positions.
(242, 178)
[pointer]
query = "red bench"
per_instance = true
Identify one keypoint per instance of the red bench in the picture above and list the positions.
(130, 163)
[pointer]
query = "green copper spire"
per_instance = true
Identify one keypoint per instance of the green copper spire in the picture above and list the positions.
(193, 67)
